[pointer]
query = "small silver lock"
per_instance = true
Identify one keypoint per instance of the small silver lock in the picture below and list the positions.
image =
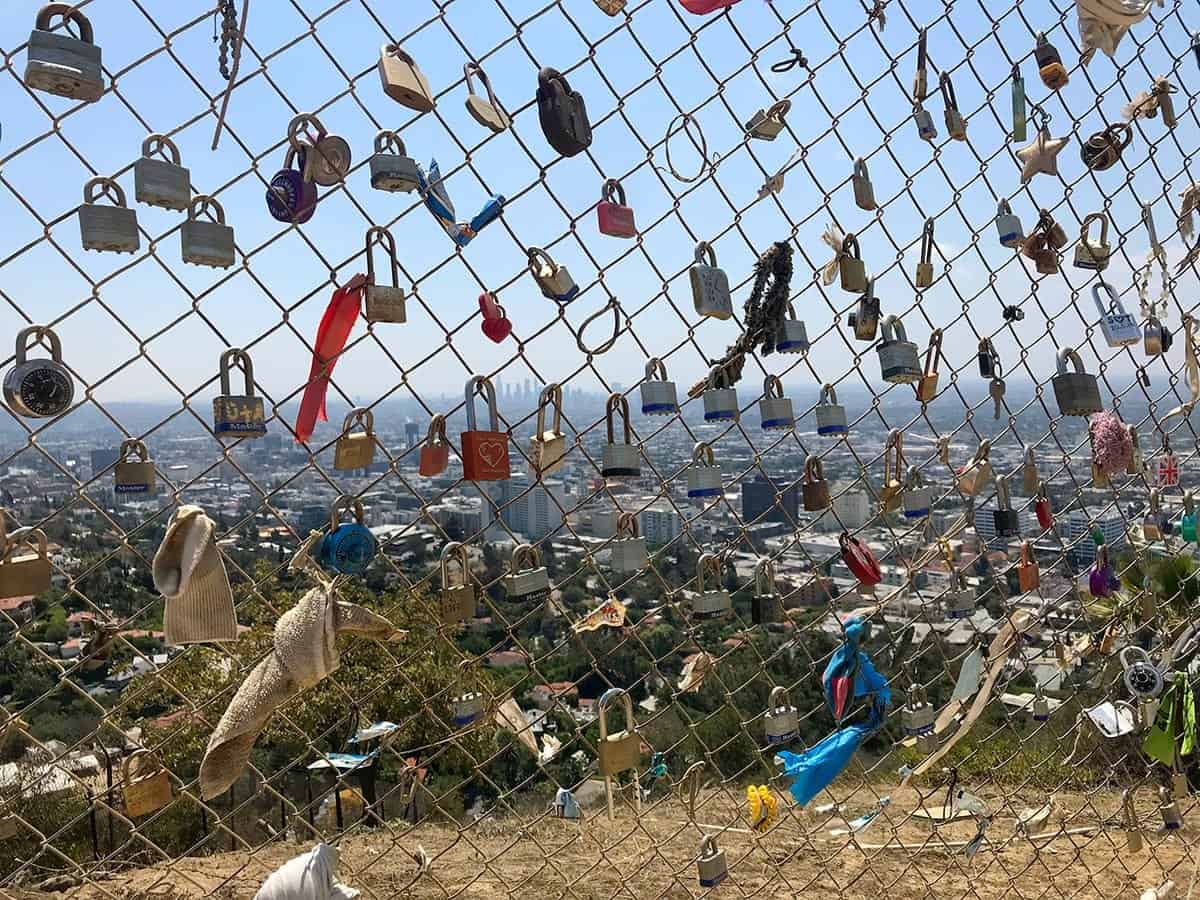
(456, 602)
(704, 475)
(161, 182)
(1040, 710)
(711, 863)
(720, 398)
(918, 715)
(554, 280)
(238, 416)
(897, 354)
(469, 708)
(528, 581)
(782, 720)
(1091, 254)
(134, 476)
(327, 156)
(710, 284)
(111, 228)
(627, 553)
(710, 602)
(917, 496)
(774, 408)
(384, 303)
(925, 127)
(38, 388)
(61, 64)
(831, 416)
(619, 460)
(1012, 234)
(793, 336)
(1119, 328)
(658, 394)
(391, 168)
(767, 123)
(864, 191)
(206, 243)
(1077, 392)
(960, 601)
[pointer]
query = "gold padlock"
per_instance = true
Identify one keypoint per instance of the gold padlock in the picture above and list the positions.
(384, 303)
(927, 386)
(27, 575)
(548, 446)
(355, 451)
(851, 267)
(456, 602)
(892, 491)
(402, 80)
(130, 476)
(621, 751)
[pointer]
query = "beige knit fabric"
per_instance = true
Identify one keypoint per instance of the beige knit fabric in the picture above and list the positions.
(190, 574)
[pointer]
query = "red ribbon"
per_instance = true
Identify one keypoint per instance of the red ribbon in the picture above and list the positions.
(332, 334)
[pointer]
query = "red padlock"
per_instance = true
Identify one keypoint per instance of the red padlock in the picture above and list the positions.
(496, 324)
(860, 560)
(616, 219)
(435, 455)
(1045, 515)
(484, 453)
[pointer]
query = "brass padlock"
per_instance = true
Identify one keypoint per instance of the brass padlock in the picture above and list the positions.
(134, 476)
(1031, 479)
(29, 574)
(355, 450)
(865, 318)
(956, 125)
(384, 303)
(326, 156)
(1091, 254)
(851, 267)
(161, 182)
(621, 750)
(548, 446)
(487, 113)
(391, 167)
(892, 491)
(402, 80)
(238, 416)
(456, 602)
(864, 191)
(111, 228)
(60, 63)
(815, 488)
(767, 123)
(928, 385)
(554, 280)
(925, 265)
(206, 243)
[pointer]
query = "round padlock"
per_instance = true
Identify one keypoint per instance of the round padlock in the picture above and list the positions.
(289, 196)
(1142, 677)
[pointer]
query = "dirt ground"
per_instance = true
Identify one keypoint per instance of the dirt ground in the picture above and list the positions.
(654, 855)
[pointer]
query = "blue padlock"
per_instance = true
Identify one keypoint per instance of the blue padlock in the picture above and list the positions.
(289, 196)
(349, 547)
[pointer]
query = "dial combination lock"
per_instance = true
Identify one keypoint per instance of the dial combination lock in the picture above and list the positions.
(38, 388)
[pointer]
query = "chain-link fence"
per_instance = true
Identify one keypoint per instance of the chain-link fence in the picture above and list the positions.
(710, 571)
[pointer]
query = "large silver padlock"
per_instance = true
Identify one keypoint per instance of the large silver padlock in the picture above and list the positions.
(711, 600)
(918, 715)
(238, 416)
(704, 475)
(134, 476)
(38, 388)
(619, 460)
(851, 268)
(917, 495)
(831, 415)
(1077, 392)
(355, 450)
(620, 750)
(468, 708)
(793, 336)
(456, 601)
(710, 284)
(710, 864)
(327, 156)
(527, 580)
(1012, 233)
(659, 397)
(960, 601)
(766, 606)
(767, 123)
(720, 398)
(391, 168)
(206, 243)
(384, 303)
(627, 554)
(1091, 254)
(1119, 328)
(774, 408)
(815, 489)
(897, 354)
(61, 64)
(111, 228)
(487, 113)
(864, 191)
(161, 182)
(554, 280)
(402, 80)
(782, 720)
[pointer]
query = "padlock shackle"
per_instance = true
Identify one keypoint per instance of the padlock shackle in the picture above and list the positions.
(764, 576)
(655, 366)
(110, 189)
(476, 69)
(702, 454)
(773, 387)
(627, 525)
(850, 248)
(436, 434)
(381, 235)
(1086, 224)
(913, 479)
(481, 384)
(1101, 557)
(550, 77)
(828, 395)
(946, 86)
(300, 122)
(157, 143)
(618, 404)
(779, 109)
(69, 14)
(717, 379)
(1115, 306)
(1002, 208)
(28, 535)
(1076, 362)
(933, 352)
(397, 51)
(132, 445)
(456, 552)
(892, 330)
(342, 503)
(613, 694)
(390, 140)
(1026, 553)
(39, 332)
(982, 451)
(236, 356)
(359, 414)
(1003, 501)
(691, 782)
(705, 250)
(927, 242)
(1138, 656)
(860, 170)
(814, 471)
(524, 557)
(708, 847)
(778, 699)
(551, 396)
(200, 203)
(707, 562)
(539, 259)
(612, 191)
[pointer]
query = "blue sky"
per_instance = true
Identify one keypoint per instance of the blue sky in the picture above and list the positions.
(321, 54)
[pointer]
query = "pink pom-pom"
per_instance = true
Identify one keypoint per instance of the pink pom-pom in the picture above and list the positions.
(1112, 447)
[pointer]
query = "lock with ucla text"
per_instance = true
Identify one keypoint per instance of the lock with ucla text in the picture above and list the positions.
(134, 476)
(234, 415)
(484, 452)
(355, 449)
(619, 459)
(349, 547)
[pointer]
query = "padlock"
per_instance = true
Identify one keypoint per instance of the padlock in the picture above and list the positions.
(38, 388)
(349, 547)
(865, 318)
(403, 81)
(710, 864)
(1137, 463)
(1077, 392)
(704, 475)
(987, 358)
(468, 708)
(792, 336)
(1043, 509)
(614, 218)
(1102, 150)
(918, 497)
(897, 354)
(355, 450)
(161, 182)
(134, 476)
(977, 474)
(565, 805)
(927, 387)
(456, 602)
(548, 446)
(658, 394)
(111, 228)
(1028, 576)
(926, 130)
(1091, 254)
(290, 198)
(860, 560)
(495, 325)
(920, 87)
(1102, 580)
(29, 574)
(554, 280)
(765, 604)
(1169, 809)
(960, 600)
(893, 461)
(864, 191)
(851, 268)
(562, 114)
(619, 460)
(710, 284)
(527, 581)
(621, 750)
(484, 453)
(1142, 678)
(1166, 466)
(711, 600)
(720, 398)
(391, 168)
(781, 722)
(611, 7)
(815, 489)
(956, 125)
(627, 553)
(384, 303)
(1187, 522)
(1119, 328)
(1050, 66)
(1156, 337)
(1004, 517)
(831, 416)
(238, 416)
(1009, 226)
(925, 265)
(1040, 710)
(487, 113)
(1031, 479)
(435, 452)
(327, 157)
(774, 408)
(918, 715)
(767, 123)
(1180, 789)
(206, 243)
(61, 64)
(1133, 831)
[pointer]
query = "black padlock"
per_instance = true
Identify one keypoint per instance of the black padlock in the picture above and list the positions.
(562, 113)
(986, 358)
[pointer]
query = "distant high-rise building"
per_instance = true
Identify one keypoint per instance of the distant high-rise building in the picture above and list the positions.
(412, 434)
(527, 395)
(759, 502)
(535, 512)
(1081, 525)
(660, 524)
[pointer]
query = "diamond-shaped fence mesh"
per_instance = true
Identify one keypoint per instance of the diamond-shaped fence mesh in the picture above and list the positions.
(873, 563)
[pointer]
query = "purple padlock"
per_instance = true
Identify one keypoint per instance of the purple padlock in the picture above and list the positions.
(1102, 580)
(289, 196)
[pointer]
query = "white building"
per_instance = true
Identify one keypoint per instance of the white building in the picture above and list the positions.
(1079, 527)
(660, 524)
(533, 511)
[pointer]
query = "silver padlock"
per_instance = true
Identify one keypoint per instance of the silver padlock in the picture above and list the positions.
(238, 416)
(960, 600)
(711, 863)
(528, 580)
(793, 336)
(38, 388)
(554, 280)
(1156, 337)
(132, 476)
(1040, 710)
(781, 723)
(627, 553)
(456, 601)
(1091, 254)
(161, 182)
(619, 460)
(710, 284)
(487, 113)
(1077, 392)
(917, 496)
(767, 123)
(207, 243)
(864, 191)
(391, 168)
(1119, 328)
(111, 228)
(774, 408)
(925, 127)
(1142, 678)
(1012, 234)
(61, 64)
(918, 715)
(469, 708)
(704, 475)
(327, 156)
(711, 600)
(658, 394)
(897, 354)
(720, 398)
(1169, 809)
(831, 415)
(956, 125)
(384, 303)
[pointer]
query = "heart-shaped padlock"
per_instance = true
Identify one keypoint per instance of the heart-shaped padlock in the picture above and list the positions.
(496, 325)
